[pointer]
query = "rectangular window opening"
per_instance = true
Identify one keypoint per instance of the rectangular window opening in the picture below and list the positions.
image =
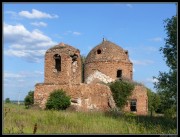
(133, 105)
(58, 64)
(119, 73)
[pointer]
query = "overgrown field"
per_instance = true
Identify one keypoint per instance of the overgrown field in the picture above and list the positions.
(18, 120)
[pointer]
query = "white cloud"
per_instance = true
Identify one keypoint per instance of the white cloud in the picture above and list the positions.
(151, 80)
(142, 62)
(39, 72)
(12, 14)
(76, 33)
(12, 32)
(72, 32)
(129, 5)
(23, 81)
(22, 74)
(150, 48)
(28, 55)
(39, 24)
(36, 14)
(58, 36)
(31, 45)
(156, 39)
(67, 32)
(12, 75)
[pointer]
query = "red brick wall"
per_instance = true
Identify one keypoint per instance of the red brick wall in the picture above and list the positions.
(109, 68)
(70, 72)
(140, 94)
(92, 96)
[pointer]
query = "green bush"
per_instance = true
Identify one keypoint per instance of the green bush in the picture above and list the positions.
(29, 99)
(170, 113)
(58, 100)
(7, 100)
(121, 90)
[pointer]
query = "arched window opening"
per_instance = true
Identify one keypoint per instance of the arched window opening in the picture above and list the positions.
(74, 57)
(57, 58)
(98, 51)
(119, 73)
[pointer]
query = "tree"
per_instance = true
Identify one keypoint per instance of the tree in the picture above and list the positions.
(170, 49)
(29, 99)
(153, 101)
(58, 100)
(121, 90)
(7, 100)
(167, 81)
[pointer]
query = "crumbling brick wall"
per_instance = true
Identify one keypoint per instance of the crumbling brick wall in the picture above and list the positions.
(140, 95)
(108, 58)
(101, 65)
(70, 69)
(84, 97)
(109, 68)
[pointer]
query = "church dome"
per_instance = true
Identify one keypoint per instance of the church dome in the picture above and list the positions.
(108, 52)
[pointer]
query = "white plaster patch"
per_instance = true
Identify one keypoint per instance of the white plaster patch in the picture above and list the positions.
(55, 70)
(99, 75)
(86, 101)
(89, 105)
(92, 107)
(74, 66)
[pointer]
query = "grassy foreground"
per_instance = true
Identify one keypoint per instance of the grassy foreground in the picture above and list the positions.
(18, 120)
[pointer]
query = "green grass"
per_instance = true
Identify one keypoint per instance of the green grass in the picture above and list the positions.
(21, 121)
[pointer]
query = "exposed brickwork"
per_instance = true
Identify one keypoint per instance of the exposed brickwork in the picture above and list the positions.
(70, 71)
(140, 94)
(111, 59)
(91, 97)
(101, 65)
(109, 69)
(109, 52)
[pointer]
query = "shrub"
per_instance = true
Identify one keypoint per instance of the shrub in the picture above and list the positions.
(58, 100)
(7, 100)
(121, 90)
(169, 113)
(29, 99)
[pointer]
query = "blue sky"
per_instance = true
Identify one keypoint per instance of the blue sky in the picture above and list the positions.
(29, 29)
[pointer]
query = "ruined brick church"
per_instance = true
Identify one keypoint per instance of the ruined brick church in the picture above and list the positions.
(105, 63)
